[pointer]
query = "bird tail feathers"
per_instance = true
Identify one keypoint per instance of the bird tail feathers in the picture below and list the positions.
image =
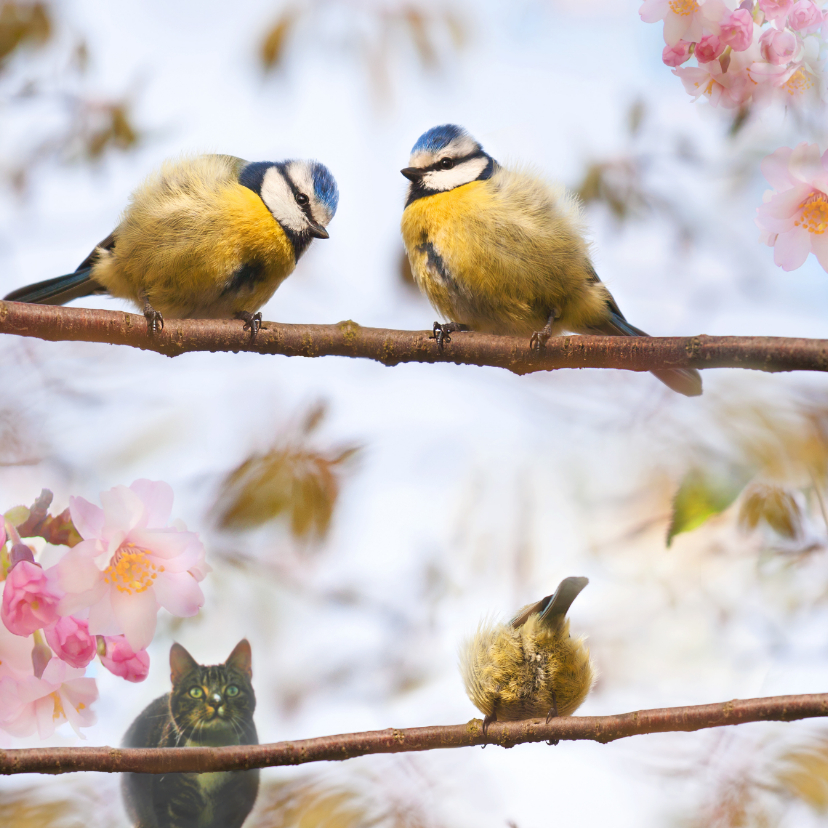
(58, 291)
(685, 381)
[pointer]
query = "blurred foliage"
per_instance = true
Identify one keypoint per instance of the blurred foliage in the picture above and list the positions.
(372, 34)
(90, 125)
(23, 24)
(305, 803)
(700, 496)
(803, 774)
(778, 469)
(73, 805)
(36, 522)
(27, 809)
(774, 505)
(622, 182)
(760, 786)
(292, 480)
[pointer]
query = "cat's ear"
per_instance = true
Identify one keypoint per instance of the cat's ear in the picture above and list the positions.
(181, 663)
(240, 658)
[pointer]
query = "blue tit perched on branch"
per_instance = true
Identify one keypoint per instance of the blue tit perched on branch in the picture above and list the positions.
(529, 668)
(502, 251)
(210, 236)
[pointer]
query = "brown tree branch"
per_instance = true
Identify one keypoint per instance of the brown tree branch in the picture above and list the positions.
(349, 745)
(391, 347)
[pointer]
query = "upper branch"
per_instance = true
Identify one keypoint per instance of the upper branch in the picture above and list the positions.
(392, 347)
(332, 748)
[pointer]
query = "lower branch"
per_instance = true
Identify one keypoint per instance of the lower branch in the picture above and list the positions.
(390, 347)
(336, 748)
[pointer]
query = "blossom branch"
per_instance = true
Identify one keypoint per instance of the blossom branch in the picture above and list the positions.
(601, 729)
(392, 347)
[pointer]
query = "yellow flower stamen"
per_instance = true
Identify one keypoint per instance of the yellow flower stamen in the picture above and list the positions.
(683, 7)
(814, 215)
(59, 712)
(798, 83)
(130, 570)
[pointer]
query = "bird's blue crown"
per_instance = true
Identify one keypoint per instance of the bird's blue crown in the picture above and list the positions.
(437, 138)
(324, 186)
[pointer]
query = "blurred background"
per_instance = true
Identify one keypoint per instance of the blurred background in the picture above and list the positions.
(361, 519)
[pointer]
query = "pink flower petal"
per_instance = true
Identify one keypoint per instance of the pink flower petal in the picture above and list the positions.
(819, 244)
(77, 572)
(102, 620)
(775, 169)
(652, 11)
(786, 205)
(157, 498)
(136, 614)
(179, 593)
(678, 27)
(122, 507)
(88, 518)
(162, 544)
(805, 164)
(792, 248)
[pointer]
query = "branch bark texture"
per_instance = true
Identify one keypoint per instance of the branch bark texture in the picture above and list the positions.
(347, 746)
(392, 347)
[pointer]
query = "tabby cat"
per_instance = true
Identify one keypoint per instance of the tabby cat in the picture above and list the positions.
(207, 706)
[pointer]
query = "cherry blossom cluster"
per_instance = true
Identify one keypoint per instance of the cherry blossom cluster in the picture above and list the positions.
(758, 52)
(100, 597)
(793, 217)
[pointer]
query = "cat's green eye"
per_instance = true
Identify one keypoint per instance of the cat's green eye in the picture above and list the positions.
(232, 690)
(196, 692)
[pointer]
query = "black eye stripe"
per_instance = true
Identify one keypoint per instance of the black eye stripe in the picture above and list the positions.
(305, 208)
(462, 159)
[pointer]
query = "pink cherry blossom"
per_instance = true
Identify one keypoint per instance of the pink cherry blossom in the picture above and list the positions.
(119, 658)
(729, 90)
(71, 642)
(30, 598)
(737, 30)
(130, 562)
(709, 48)
(676, 55)
(684, 19)
(15, 654)
(787, 84)
(29, 704)
(805, 18)
(779, 48)
(794, 216)
(776, 9)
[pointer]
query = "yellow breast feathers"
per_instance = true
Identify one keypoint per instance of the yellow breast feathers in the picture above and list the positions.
(498, 255)
(196, 243)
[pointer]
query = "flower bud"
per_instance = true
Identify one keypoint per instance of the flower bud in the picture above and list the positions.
(778, 48)
(30, 599)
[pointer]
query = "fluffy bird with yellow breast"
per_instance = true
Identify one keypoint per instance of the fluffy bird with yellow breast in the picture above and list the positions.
(502, 251)
(208, 237)
(530, 668)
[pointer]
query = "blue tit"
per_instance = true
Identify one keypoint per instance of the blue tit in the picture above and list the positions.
(503, 251)
(530, 668)
(210, 236)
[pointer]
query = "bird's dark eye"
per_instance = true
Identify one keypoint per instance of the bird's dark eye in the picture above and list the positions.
(302, 199)
(232, 690)
(196, 692)
(446, 163)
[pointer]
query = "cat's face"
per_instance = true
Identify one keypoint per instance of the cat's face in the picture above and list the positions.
(213, 703)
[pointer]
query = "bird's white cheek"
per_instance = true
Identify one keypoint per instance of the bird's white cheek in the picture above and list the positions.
(464, 173)
(278, 197)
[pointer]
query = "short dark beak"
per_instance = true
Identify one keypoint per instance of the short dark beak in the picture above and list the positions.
(412, 173)
(318, 231)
